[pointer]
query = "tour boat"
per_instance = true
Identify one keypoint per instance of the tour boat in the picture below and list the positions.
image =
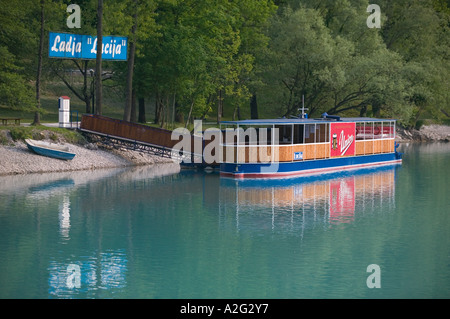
(280, 148)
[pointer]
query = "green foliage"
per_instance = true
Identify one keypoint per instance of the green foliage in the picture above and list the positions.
(193, 56)
(324, 51)
(20, 133)
(14, 90)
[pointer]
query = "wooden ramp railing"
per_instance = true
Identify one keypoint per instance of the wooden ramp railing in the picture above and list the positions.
(141, 137)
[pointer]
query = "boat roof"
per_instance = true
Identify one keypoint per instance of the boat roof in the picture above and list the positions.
(287, 121)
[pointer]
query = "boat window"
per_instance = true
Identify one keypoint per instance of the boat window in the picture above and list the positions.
(360, 131)
(310, 135)
(388, 129)
(368, 131)
(377, 130)
(322, 135)
(392, 130)
(284, 134)
(299, 133)
(264, 134)
(247, 135)
(229, 136)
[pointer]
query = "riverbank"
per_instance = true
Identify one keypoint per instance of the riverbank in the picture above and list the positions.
(16, 158)
(427, 133)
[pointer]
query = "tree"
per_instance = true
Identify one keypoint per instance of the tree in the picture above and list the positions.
(15, 93)
(197, 59)
(418, 31)
(303, 61)
(134, 19)
(325, 52)
(16, 55)
(37, 119)
(98, 64)
(130, 69)
(57, 21)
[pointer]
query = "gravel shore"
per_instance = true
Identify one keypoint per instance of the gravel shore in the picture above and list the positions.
(18, 159)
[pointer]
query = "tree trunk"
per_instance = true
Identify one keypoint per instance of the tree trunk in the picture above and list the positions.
(174, 103)
(179, 117)
(157, 109)
(130, 71)
(133, 107)
(189, 115)
(141, 116)
(219, 107)
(87, 96)
(363, 112)
(37, 115)
(376, 109)
(162, 113)
(254, 107)
(237, 113)
(98, 65)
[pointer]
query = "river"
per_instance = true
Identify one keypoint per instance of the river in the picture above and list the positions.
(157, 232)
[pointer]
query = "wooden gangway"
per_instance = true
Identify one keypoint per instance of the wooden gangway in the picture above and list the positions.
(139, 137)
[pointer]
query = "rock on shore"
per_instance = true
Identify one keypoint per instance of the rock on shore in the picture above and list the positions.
(427, 133)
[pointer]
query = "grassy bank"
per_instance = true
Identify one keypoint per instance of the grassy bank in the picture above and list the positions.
(52, 90)
(11, 134)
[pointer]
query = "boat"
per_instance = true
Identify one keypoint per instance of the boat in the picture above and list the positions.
(50, 149)
(263, 148)
(282, 148)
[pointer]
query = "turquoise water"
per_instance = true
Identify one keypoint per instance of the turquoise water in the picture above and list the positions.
(155, 232)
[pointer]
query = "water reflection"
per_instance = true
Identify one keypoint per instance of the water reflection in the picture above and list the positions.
(64, 217)
(43, 185)
(152, 231)
(297, 204)
(78, 222)
(86, 275)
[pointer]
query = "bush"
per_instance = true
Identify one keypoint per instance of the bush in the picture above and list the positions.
(4, 138)
(20, 133)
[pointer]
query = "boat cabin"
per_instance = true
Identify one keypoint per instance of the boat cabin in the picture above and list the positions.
(290, 140)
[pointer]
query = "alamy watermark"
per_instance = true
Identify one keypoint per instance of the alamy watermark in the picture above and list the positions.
(73, 280)
(74, 20)
(374, 279)
(374, 20)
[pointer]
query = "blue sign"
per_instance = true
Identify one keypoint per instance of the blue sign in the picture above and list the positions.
(77, 46)
(298, 156)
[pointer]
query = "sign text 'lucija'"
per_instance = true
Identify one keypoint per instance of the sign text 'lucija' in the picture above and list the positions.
(77, 46)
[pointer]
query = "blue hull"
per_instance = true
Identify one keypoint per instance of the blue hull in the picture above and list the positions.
(310, 167)
(51, 153)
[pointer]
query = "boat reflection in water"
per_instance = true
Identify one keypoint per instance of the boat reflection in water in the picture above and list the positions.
(296, 204)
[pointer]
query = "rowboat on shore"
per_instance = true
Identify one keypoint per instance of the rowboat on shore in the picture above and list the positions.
(50, 149)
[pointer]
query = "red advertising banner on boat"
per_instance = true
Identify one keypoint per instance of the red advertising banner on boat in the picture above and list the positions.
(342, 139)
